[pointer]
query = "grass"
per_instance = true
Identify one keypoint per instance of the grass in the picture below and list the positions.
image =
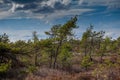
(109, 69)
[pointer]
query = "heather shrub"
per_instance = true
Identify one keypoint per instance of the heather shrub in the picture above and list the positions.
(107, 71)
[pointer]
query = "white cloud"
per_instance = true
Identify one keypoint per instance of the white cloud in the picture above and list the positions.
(1, 1)
(14, 6)
(62, 13)
(46, 17)
(114, 33)
(80, 2)
(111, 28)
(15, 35)
(108, 3)
(5, 14)
(29, 13)
(50, 3)
(65, 2)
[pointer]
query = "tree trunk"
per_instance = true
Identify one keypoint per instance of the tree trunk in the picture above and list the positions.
(56, 53)
(50, 61)
(85, 50)
(54, 64)
(36, 59)
(101, 58)
(91, 49)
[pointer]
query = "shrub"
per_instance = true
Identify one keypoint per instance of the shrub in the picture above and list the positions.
(107, 71)
(85, 63)
(31, 69)
(4, 67)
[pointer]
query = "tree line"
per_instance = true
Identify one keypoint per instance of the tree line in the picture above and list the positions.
(57, 50)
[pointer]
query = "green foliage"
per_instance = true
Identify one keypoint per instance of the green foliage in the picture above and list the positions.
(57, 49)
(4, 38)
(4, 67)
(4, 47)
(109, 63)
(59, 34)
(92, 43)
(107, 71)
(66, 54)
(85, 63)
(31, 69)
(35, 37)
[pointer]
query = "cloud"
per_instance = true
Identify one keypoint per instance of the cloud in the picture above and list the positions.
(21, 1)
(111, 29)
(46, 9)
(5, 14)
(23, 34)
(14, 6)
(66, 2)
(13, 34)
(1, 1)
(80, 2)
(108, 3)
(114, 33)
(50, 3)
(71, 12)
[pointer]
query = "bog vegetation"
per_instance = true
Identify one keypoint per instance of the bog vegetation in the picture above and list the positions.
(61, 56)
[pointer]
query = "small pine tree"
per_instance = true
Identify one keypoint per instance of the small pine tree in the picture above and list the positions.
(85, 63)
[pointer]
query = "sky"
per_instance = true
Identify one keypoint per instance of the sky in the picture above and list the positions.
(19, 18)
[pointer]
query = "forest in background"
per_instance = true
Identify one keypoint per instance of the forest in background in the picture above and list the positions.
(61, 56)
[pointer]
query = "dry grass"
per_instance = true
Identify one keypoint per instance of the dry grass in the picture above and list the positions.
(52, 74)
(95, 72)
(98, 71)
